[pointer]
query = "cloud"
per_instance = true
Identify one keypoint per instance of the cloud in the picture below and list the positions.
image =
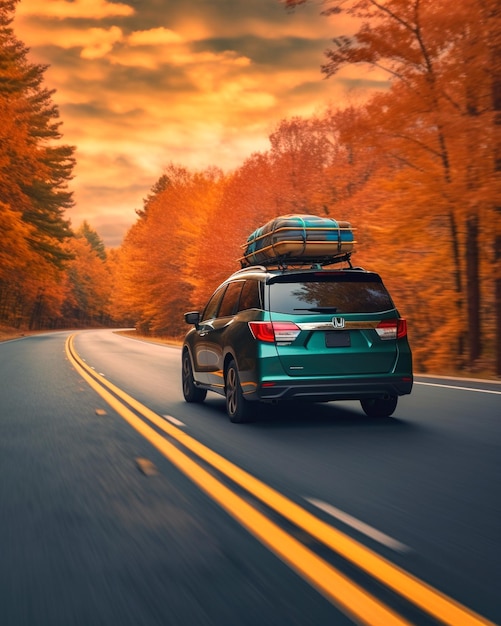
(154, 37)
(63, 9)
(191, 82)
(266, 19)
(98, 42)
(91, 42)
(152, 56)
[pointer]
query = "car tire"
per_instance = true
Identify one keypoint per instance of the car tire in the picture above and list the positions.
(379, 407)
(238, 408)
(191, 392)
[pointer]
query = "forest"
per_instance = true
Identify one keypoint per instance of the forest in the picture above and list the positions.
(415, 169)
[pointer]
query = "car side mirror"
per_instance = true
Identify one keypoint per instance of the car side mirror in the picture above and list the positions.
(193, 317)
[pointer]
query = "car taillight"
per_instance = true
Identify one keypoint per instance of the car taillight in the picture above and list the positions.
(392, 329)
(271, 332)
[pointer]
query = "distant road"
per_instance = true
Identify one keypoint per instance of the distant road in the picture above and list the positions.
(122, 504)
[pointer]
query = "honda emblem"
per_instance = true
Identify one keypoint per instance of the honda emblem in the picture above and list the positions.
(338, 322)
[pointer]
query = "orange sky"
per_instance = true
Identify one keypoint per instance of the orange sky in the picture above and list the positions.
(195, 82)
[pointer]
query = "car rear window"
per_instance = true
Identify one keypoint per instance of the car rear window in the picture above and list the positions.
(343, 293)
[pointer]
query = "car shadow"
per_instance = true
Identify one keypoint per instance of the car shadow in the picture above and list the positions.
(311, 415)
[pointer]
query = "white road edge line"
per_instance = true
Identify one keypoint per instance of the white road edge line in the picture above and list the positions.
(174, 420)
(497, 393)
(362, 527)
(489, 381)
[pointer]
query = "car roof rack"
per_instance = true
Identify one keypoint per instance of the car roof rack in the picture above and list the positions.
(251, 268)
(285, 262)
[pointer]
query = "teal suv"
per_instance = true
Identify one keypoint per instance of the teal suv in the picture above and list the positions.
(273, 335)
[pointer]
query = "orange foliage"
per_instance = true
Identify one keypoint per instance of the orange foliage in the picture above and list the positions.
(156, 271)
(89, 285)
(412, 169)
(34, 171)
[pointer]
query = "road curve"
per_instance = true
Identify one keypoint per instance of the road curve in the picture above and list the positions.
(390, 521)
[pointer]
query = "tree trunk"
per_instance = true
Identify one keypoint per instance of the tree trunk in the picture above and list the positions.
(494, 17)
(498, 304)
(458, 285)
(473, 290)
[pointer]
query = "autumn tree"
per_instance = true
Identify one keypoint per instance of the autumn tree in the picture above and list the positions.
(35, 169)
(93, 239)
(437, 59)
(300, 153)
(248, 199)
(158, 269)
(491, 10)
(89, 283)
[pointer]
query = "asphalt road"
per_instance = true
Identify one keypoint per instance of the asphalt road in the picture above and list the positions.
(121, 504)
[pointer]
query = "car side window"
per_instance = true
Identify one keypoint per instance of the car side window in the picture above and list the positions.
(250, 296)
(230, 299)
(210, 310)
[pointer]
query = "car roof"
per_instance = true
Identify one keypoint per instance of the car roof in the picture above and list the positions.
(261, 272)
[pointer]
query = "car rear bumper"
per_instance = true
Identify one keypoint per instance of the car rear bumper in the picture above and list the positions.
(346, 389)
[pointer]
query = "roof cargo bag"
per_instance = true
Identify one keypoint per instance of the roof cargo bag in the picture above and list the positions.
(299, 239)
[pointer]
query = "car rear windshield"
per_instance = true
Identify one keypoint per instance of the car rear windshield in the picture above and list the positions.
(328, 293)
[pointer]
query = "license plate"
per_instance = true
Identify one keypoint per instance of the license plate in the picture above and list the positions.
(337, 339)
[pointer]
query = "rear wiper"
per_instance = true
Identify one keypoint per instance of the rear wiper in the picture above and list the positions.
(320, 309)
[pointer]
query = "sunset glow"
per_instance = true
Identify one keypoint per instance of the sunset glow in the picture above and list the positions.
(197, 84)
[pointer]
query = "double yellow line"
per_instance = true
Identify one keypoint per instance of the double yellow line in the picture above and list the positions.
(336, 587)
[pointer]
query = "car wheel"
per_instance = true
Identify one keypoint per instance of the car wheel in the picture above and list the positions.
(379, 407)
(191, 392)
(237, 407)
